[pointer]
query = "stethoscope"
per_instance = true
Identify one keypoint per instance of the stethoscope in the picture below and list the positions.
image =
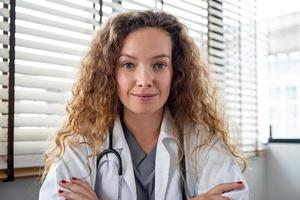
(111, 150)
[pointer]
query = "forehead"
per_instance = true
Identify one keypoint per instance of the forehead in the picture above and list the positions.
(147, 42)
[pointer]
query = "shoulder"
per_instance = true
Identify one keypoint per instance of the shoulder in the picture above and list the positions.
(75, 148)
(77, 160)
(211, 151)
(212, 164)
(74, 162)
(213, 155)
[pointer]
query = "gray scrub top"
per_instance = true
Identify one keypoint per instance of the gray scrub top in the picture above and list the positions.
(143, 165)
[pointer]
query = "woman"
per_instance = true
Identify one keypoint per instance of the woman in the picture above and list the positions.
(144, 91)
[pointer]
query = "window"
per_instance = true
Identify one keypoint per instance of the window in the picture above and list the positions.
(275, 94)
(43, 43)
(282, 64)
(291, 93)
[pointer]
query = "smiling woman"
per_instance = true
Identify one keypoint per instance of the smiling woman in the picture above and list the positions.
(144, 74)
(144, 119)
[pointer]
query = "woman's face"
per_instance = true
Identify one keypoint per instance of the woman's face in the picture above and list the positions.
(144, 70)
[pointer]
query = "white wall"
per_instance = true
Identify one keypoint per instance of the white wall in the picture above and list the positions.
(273, 177)
(256, 178)
(283, 174)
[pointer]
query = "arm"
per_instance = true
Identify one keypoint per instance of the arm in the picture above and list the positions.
(217, 166)
(72, 164)
(216, 192)
(76, 189)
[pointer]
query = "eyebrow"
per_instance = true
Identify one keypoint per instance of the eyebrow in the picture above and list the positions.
(158, 56)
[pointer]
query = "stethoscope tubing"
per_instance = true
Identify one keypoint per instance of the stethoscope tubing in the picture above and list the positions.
(120, 169)
(113, 151)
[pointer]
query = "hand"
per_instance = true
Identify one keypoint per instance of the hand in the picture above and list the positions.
(78, 190)
(215, 192)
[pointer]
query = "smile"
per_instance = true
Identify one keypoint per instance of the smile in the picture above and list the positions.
(144, 97)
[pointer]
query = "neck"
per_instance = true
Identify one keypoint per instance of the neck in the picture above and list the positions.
(144, 127)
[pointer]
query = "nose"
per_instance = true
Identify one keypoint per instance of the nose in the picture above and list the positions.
(145, 78)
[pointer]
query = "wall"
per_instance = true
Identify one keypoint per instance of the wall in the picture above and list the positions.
(256, 178)
(283, 174)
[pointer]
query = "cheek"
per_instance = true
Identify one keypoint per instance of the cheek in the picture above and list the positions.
(166, 81)
(122, 83)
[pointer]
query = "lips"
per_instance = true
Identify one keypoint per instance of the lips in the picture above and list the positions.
(144, 95)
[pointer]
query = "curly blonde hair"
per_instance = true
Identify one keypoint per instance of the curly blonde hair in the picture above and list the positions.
(94, 106)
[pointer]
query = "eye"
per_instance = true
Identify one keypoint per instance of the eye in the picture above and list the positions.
(128, 66)
(159, 66)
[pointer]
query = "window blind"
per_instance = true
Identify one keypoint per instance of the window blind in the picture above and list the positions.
(240, 75)
(50, 39)
(215, 43)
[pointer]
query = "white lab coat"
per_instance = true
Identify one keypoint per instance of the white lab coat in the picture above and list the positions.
(213, 166)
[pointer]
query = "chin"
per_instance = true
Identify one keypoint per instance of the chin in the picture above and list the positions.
(145, 109)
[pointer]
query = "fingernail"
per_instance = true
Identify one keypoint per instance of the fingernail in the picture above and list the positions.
(74, 178)
(60, 191)
(239, 182)
(63, 181)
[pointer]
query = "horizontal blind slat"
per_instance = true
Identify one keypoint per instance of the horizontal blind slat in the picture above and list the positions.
(52, 23)
(33, 121)
(44, 59)
(33, 95)
(25, 147)
(21, 161)
(4, 12)
(183, 9)
(47, 47)
(34, 108)
(4, 53)
(49, 35)
(4, 26)
(75, 6)
(115, 6)
(4, 39)
(36, 82)
(5, 1)
(55, 12)
(39, 71)
(29, 134)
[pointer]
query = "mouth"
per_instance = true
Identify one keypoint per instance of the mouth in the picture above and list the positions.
(144, 95)
(144, 98)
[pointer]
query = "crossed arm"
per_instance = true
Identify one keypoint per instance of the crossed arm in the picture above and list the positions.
(81, 190)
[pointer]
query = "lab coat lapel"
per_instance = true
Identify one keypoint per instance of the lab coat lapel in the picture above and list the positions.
(120, 143)
(162, 162)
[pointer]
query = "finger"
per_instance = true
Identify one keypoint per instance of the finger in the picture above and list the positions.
(91, 193)
(222, 198)
(82, 183)
(217, 197)
(71, 195)
(225, 187)
(210, 197)
(75, 188)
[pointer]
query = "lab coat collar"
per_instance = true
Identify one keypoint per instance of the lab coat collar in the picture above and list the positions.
(162, 162)
(166, 125)
(118, 135)
(165, 130)
(161, 168)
